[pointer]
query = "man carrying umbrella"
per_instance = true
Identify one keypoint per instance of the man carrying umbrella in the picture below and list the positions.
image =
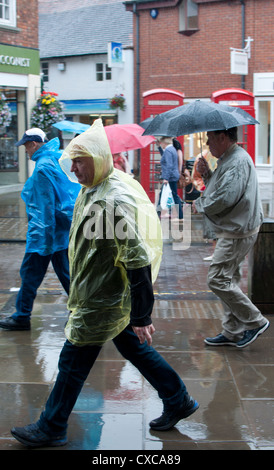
(232, 209)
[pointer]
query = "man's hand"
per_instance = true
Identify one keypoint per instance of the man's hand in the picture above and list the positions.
(144, 333)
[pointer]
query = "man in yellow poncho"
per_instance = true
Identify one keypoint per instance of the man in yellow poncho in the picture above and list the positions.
(115, 252)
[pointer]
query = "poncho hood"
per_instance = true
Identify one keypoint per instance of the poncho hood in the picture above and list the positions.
(92, 143)
(52, 146)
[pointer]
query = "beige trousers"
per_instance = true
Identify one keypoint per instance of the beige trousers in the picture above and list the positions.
(224, 276)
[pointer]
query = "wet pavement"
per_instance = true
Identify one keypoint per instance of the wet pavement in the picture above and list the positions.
(234, 387)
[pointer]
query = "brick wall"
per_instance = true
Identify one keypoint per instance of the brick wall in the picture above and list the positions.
(26, 32)
(199, 64)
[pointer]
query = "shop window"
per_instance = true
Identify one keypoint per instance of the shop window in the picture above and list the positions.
(7, 13)
(45, 71)
(188, 17)
(8, 134)
(103, 72)
(263, 153)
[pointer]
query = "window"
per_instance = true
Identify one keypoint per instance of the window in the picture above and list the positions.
(103, 72)
(9, 134)
(188, 17)
(45, 71)
(7, 12)
(263, 139)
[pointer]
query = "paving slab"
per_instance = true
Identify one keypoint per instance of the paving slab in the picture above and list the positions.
(234, 387)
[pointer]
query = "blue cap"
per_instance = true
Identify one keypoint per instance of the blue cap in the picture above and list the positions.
(33, 135)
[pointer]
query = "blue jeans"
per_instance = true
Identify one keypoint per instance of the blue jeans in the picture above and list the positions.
(32, 272)
(177, 200)
(76, 362)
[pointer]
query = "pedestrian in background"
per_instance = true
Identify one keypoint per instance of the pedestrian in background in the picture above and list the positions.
(199, 184)
(232, 208)
(49, 197)
(113, 262)
(170, 170)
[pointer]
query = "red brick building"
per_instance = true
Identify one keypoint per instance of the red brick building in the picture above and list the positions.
(185, 45)
(19, 82)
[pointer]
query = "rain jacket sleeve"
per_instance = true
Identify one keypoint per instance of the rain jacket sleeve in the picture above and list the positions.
(231, 202)
(227, 191)
(142, 297)
(41, 214)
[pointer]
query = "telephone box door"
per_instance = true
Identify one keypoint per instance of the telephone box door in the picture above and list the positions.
(155, 102)
(245, 100)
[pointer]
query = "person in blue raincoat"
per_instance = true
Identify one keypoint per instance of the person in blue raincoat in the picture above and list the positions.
(49, 196)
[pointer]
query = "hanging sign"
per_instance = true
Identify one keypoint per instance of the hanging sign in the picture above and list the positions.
(239, 62)
(115, 54)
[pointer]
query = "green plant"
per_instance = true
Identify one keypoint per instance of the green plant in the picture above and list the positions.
(47, 111)
(118, 101)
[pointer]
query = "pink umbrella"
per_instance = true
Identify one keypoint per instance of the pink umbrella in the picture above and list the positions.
(124, 137)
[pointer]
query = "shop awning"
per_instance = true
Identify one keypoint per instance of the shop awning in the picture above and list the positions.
(96, 106)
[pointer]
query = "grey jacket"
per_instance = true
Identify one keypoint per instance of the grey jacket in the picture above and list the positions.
(231, 202)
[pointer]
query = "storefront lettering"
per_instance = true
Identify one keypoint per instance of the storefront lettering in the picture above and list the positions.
(10, 60)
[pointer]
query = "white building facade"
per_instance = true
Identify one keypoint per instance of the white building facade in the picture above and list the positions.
(75, 62)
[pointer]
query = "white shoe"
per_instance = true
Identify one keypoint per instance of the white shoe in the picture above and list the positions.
(208, 258)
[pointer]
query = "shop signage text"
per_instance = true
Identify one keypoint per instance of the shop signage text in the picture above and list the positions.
(10, 60)
(19, 60)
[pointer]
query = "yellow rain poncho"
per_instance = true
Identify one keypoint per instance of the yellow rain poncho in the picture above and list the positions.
(115, 228)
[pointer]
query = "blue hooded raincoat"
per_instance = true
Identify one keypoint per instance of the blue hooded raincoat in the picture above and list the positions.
(49, 197)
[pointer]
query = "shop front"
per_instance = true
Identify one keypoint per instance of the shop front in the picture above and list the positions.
(85, 112)
(264, 105)
(19, 87)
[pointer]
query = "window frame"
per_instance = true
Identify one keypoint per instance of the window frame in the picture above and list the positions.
(106, 71)
(11, 22)
(45, 66)
(184, 27)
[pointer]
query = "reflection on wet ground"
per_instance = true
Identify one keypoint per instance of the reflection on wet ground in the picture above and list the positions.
(234, 387)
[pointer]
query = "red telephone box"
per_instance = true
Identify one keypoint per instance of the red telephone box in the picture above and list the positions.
(242, 99)
(155, 102)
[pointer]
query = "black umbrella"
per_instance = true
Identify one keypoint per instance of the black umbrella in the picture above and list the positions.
(198, 116)
(144, 124)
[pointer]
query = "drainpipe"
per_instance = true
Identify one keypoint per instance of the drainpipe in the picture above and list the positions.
(137, 62)
(137, 76)
(243, 36)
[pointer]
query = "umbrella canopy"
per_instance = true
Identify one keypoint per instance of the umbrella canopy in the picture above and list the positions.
(121, 137)
(198, 116)
(124, 137)
(161, 128)
(70, 126)
(144, 124)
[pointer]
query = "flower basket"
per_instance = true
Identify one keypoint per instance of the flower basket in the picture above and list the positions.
(118, 101)
(5, 113)
(47, 111)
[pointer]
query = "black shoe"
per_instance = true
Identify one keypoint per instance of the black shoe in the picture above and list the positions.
(251, 335)
(32, 436)
(170, 417)
(10, 324)
(219, 340)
